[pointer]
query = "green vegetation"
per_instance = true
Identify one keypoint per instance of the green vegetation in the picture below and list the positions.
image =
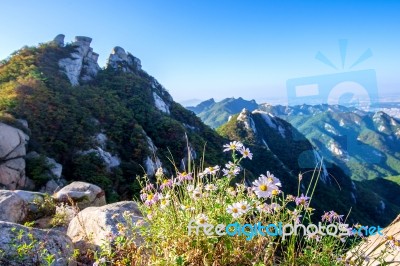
(174, 208)
(64, 120)
(38, 169)
(395, 179)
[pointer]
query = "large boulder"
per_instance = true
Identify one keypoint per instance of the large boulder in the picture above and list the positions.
(379, 249)
(82, 193)
(12, 207)
(35, 201)
(53, 185)
(39, 245)
(12, 151)
(93, 226)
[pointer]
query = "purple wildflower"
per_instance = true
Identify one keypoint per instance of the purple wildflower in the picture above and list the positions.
(303, 200)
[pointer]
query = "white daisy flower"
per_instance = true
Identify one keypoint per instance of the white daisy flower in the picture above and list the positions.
(263, 187)
(244, 206)
(234, 210)
(212, 170)
(210, 187)
(196, 194)
(246, 153)
(164, 203)
(232, 146)
(201, 219)
(273, 179)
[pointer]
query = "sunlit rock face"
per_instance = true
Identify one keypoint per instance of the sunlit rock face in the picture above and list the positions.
(121, 60)
(82, 64)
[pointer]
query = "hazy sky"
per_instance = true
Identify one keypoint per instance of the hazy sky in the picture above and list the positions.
(203, 49)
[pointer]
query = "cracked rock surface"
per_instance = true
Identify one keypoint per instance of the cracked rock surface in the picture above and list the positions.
(12, 153)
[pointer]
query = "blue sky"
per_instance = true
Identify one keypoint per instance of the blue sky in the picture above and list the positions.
(203, 49)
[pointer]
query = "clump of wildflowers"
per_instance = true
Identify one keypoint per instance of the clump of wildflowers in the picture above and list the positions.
(331, 217)
(206, 197)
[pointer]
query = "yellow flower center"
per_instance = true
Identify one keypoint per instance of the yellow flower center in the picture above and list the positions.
(263, 187)
(165, 181)
(275, 192)
(150, 197)
(235, 210)
(202, 220)
(243, 207)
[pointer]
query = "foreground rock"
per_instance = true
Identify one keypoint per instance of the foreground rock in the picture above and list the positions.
(33, 201)
(13, 208)
(371, 250)
(12, 151)
(41, 243)
(82, 193)
(93, 226)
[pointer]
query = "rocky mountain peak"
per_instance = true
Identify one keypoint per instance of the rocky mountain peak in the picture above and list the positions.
(82, 64)
(59, 40)
(119, 59)
(246, 117)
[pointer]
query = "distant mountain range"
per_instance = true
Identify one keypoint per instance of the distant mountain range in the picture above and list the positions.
(215, 114)
(364, 144)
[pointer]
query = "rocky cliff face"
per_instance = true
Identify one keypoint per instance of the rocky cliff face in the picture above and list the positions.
(127, 63)
(82, 65)
(12, 152)
(121, 60)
